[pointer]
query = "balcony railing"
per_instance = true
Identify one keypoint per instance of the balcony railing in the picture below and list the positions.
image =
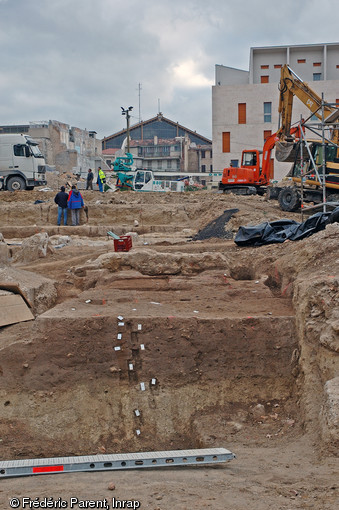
(153, 152)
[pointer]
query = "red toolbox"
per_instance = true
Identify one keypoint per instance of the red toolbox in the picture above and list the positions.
(124, 243)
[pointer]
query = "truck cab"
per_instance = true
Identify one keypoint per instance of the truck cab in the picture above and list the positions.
(22, 166)
(143, 180)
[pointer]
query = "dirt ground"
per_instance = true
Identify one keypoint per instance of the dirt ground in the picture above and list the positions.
(243, 345)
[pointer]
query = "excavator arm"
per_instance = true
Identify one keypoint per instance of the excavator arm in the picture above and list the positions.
(291, 85)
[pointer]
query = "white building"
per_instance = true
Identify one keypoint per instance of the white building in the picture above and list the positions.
(245, 103)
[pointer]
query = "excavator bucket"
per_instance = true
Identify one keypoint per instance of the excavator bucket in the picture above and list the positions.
(287, 152)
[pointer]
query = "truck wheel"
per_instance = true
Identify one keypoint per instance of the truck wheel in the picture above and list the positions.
(15, 184)
(289, 199)
(272, 193)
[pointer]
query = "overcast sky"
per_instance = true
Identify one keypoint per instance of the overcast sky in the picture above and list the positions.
(79, 61)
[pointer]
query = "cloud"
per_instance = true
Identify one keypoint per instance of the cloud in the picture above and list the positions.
(79, 61)
(187, 75)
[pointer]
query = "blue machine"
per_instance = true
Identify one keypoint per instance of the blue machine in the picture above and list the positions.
(122, 166)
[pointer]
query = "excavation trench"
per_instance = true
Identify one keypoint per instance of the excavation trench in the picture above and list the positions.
(227, 360)
(79, 380)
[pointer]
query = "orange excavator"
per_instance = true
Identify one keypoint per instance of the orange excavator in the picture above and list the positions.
(255, 172)
(251, 176)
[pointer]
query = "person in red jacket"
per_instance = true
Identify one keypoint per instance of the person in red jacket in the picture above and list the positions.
(75, 203)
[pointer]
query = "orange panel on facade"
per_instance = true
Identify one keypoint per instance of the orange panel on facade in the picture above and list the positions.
(241, 113)
(226, 141)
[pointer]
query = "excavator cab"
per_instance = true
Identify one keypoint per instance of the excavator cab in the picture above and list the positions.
(249, 158)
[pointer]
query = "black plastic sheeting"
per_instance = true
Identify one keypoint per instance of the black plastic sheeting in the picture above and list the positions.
(216, 228)
(281, 230)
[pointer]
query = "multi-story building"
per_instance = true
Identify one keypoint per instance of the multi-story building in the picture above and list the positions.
(170, 150)
(245, 103)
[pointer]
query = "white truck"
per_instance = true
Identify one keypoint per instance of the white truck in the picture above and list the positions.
(22, 166)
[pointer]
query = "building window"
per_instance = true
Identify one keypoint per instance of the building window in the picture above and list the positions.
(169, 163)
(267, 112)
(316, 76)
(301, 60)
(203, 154)
(337, 66)
(241, 113)
(211, 168)
(211, 153)
(264, 79)
(316, 64)
(267, 134)
(226, 141)
(264, 67)
(277, 66)
(203, 168)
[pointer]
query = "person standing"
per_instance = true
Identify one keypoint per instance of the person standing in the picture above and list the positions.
(101, 179)
(90, 177)
(61, 199)
(75, 203)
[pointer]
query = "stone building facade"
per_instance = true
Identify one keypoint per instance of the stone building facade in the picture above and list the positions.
(65, 148)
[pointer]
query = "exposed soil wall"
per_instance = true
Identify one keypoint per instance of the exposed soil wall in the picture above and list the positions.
(67, 386)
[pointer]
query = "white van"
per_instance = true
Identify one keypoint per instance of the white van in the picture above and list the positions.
(22, 166)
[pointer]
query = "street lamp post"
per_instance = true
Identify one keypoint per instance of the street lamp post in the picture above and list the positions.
(126, 111)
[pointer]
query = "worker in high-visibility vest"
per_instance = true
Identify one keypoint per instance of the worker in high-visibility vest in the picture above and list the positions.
(101, 179)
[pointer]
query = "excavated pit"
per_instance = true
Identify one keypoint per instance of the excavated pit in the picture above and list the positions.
(190, 372)
(240, 351)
